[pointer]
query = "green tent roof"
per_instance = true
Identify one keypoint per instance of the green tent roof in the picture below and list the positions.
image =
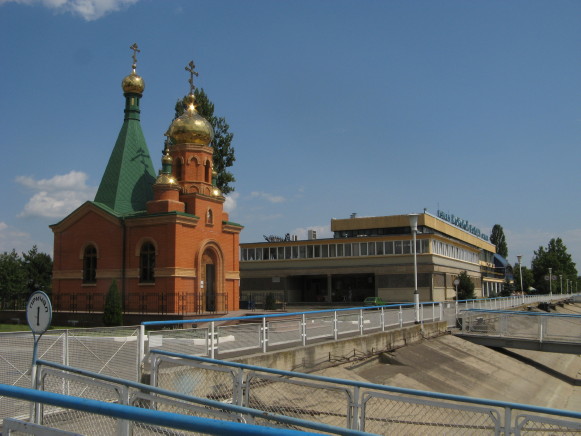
(126, 185)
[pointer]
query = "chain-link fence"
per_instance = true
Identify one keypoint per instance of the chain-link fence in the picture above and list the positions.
(357, 405)
(537, 326)
(112, 351)
(209, 394)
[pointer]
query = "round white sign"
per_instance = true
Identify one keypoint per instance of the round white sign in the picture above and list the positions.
(39, 312)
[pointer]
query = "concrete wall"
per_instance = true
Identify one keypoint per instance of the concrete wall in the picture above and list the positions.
(306, 358)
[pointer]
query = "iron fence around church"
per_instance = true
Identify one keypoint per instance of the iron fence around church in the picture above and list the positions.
(136, 302)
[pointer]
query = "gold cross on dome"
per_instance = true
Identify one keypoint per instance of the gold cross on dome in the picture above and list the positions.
(135, 51)
(191, 68)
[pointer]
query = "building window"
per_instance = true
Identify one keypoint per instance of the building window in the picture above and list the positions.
(317, 251)
(347, 249)
(363, 249)
(209, 217)
(355, 249)
(90, 264)
(147, 263)
(398, 247)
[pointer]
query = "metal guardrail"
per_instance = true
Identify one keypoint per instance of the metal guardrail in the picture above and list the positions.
(121, 351)
(264, 333)
(158, 422)
(550, 331)
(358, 406)
(59, 379)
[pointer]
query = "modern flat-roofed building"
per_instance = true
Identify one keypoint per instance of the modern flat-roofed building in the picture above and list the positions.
(372, 256)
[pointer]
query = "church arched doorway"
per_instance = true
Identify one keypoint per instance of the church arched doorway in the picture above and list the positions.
(209, 270)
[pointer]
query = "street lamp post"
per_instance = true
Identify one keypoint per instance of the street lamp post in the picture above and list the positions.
(519, 258)
(551, 282)
(561, 280)
(414, 228)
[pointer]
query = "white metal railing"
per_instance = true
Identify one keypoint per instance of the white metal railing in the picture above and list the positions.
(121, 351)
(263, 333)
(536, 326)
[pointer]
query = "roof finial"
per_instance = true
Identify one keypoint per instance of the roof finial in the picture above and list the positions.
(191, 68)
(135, 51)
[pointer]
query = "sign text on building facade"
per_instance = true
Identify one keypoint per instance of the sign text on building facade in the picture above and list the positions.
(462, 223)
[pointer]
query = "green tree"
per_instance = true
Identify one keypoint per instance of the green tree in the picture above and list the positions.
(12, 279)
(38, 269)
(508, 288)
(499, 240)
(554, 256)
(465, 287)
(222, 143)
(527, 278)
(112, 313)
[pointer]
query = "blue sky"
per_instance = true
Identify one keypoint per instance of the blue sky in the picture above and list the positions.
(373, 107)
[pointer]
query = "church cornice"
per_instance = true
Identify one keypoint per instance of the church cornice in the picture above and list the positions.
(84, 209)
(230, 227)
(163, 218)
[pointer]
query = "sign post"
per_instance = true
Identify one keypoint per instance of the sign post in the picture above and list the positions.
(38, 317)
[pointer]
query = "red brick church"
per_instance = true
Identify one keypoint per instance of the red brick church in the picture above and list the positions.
(164, 238)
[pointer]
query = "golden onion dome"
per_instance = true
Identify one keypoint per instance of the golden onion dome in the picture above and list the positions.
(216, 192)
(191, 127)
(166, 160)
(166, 179)
(133, 83)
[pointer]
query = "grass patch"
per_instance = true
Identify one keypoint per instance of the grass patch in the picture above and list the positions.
(4, 328)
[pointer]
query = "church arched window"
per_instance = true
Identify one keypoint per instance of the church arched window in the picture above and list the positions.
(147, 263)
(208, 172)
(179, 169)
(90, 264)
(209, 217)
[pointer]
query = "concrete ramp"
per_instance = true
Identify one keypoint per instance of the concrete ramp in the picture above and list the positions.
(452, 365)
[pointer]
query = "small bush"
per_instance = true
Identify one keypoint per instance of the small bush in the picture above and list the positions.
(270, 302)
(112, 313)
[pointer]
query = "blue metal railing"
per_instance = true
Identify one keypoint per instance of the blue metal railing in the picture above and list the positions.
(147, 416)
(359, 384)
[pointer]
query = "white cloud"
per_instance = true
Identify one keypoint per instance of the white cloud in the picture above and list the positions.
(58, 196)
(89, 10)
(230, 203)
(12, 238)
(269, 197)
